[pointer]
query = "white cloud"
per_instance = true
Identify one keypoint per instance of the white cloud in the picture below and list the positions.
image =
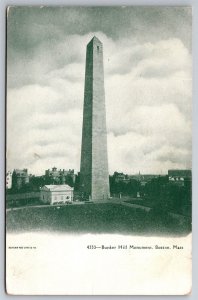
(148, 100)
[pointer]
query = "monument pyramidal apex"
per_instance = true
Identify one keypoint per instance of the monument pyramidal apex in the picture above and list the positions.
(94, 175)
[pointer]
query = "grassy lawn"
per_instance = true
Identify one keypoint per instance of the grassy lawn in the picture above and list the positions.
(94, 218)
(184, 210)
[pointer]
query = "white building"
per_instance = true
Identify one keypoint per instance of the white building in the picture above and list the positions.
(53, 194)
(8, 180)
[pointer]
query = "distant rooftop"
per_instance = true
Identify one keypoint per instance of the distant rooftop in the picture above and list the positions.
(175, 172)
(58, 188)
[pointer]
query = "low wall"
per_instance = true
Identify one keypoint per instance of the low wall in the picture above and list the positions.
(22, 196)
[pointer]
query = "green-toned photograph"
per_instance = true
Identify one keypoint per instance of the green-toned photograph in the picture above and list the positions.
(99, 104)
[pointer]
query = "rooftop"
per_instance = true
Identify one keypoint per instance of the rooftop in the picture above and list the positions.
(61, 187)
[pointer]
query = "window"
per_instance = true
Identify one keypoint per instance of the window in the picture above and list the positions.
(98, 49)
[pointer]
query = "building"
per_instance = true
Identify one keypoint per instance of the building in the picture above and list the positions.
(94, 175)
(19, 178)
(56, 194)
(144, 178)
(179, 173)
(179, 177)
(8, 180)
(62, 176)
(121, 177)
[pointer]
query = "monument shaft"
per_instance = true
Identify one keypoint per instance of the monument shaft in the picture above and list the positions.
(94, 175)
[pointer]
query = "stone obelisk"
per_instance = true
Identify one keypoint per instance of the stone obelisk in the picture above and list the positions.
(94, 175)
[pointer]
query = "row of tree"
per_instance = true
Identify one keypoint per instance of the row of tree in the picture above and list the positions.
(158, 192)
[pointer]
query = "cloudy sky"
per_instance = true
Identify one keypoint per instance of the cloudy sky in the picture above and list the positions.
(147, 64)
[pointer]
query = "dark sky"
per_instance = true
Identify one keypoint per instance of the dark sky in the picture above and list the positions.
(147, 61)
(29, 26)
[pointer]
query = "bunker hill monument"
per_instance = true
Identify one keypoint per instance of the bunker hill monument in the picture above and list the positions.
(94, 175)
